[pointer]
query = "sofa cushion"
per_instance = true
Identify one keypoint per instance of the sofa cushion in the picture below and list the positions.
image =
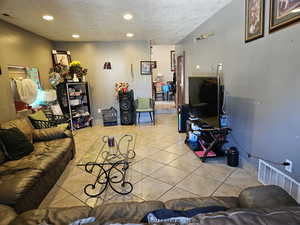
(16, 145)
(268, 196)
(191, 203)
(19, 176)
(50, 152)
(132, 212)
(55, 216)
(23, 124)
(275, 216)
(15, 182)
(49, 134)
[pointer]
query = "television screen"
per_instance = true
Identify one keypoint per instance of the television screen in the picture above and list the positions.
(203, 95)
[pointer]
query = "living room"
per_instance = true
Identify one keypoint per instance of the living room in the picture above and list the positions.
(53, 173)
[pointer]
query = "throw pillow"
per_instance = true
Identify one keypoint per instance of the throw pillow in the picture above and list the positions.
(39, 115)
(23, 124)
(16, 143)
(177, 216)
(2, 152)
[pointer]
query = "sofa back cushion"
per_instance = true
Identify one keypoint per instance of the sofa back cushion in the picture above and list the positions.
(268, 196)
(23, 124)
(132, 212)
(275, 216)
(61, 216)
(15, 143)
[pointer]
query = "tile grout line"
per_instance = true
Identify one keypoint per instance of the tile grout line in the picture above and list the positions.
(223, 182)
(179, 182)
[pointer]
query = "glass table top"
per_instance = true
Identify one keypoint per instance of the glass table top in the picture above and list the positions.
(109, 160)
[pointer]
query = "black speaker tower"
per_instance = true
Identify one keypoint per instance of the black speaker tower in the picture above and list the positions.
(127, 109)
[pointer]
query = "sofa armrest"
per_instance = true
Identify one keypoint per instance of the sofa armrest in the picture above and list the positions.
(49, 134)
(7, 214)
(268, 196)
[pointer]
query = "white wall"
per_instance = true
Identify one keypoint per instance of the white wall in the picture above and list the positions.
(93, 55)
(161, 54)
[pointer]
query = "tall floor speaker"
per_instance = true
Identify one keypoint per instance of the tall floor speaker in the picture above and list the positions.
(183, 115)
(127, 109)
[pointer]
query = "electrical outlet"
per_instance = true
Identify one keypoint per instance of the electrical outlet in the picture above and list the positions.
(289, 167)
(99, 110)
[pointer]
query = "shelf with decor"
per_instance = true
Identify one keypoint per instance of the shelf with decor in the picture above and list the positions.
(74, 100)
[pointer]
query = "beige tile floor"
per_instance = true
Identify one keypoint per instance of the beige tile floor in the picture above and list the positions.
(164, 168)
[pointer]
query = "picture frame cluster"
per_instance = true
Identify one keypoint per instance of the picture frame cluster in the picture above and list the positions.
(282, 13)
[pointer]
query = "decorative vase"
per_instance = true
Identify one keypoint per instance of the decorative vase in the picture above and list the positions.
(83, 79)
(75, 78)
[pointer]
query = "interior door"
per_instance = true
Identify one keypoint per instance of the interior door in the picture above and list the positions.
(180, 81)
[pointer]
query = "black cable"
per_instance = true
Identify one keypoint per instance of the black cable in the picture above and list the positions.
(277, 163)
(257, 157)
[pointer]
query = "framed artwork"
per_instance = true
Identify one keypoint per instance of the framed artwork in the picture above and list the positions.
(33, 74)
(61, 57)
(146, 67)
(153, 64)
(173, 61)
(255, 19)
(283, 13)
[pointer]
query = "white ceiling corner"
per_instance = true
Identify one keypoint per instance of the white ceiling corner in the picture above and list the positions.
(163, 21)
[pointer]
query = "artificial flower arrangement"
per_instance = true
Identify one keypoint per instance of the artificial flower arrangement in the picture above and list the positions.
(121, 87)
(76, 68)
(61, 73)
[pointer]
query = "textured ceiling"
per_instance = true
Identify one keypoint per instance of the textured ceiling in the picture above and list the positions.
(163, 21)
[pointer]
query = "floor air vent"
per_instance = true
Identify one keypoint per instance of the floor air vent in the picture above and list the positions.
(267, 174)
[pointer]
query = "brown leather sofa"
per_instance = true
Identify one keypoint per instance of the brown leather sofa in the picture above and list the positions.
(255, 206)
(25, 182)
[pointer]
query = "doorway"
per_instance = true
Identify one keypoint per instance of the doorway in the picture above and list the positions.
(163, 72)
(180, 81)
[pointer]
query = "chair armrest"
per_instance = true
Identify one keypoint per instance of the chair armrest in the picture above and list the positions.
(49, 134)
(7, 214)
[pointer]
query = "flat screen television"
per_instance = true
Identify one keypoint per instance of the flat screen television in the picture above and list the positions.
(203, 95)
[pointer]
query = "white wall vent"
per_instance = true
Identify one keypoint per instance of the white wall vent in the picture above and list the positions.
(267, 175)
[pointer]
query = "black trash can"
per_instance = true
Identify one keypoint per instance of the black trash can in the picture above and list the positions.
(233, 157)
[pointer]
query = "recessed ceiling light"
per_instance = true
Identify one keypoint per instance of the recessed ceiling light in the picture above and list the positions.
(296, 10)
(128, 16)
(75, 36)
(130, 35)
(48, 17)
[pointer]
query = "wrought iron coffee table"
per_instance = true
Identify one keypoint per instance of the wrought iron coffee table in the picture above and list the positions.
(108, 160)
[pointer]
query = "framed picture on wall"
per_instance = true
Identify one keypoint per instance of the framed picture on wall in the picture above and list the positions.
(255, 19)
(153, 64)
(61, 57)
(146, 67)
(173, 61)
(283, 13)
